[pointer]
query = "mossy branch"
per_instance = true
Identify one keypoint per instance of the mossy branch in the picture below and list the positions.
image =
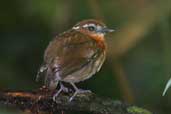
(41, 101)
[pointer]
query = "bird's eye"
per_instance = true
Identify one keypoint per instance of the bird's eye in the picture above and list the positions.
(91, 28)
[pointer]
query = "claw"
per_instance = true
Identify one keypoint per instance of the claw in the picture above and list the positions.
(62, 88)
(77, 91)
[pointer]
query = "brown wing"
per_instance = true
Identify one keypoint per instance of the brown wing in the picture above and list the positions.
(70, 52)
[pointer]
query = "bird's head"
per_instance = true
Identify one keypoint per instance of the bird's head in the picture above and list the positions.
(92, 28)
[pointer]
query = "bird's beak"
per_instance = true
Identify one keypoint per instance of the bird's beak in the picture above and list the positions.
(107, 30)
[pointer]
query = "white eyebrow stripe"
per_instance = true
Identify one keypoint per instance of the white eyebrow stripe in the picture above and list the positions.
(77, 27)
(86, 25)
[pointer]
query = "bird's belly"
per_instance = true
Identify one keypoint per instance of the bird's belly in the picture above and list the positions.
(87, 71)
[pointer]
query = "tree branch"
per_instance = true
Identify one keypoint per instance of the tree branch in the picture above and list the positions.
(41, 101)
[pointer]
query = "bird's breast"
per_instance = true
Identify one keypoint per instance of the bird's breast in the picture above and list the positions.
(99, 40)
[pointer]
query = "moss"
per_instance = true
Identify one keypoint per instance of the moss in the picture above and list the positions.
(137, 110)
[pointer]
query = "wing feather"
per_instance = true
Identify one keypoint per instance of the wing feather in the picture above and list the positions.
(70, 52)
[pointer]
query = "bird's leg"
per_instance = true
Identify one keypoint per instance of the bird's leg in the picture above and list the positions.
(62, 88)
(77, 91)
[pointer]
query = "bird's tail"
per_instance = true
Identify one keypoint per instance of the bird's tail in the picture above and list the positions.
(167, 87)
(50, 80)
(41, 71)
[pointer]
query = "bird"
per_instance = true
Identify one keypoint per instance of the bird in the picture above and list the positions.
(74, 56)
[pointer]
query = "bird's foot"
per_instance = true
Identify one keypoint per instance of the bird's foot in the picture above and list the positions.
(62, 88)
(78, 91)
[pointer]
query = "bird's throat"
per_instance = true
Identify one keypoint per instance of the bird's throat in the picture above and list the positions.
(100, 40)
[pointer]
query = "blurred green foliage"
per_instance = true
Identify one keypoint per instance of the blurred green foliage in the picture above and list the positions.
(139, 56)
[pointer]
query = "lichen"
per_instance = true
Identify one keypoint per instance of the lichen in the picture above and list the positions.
(137, 110)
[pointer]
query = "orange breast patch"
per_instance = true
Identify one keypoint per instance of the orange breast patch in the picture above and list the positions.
(100, 40)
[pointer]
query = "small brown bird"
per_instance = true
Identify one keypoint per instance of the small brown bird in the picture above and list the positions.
(75, 55)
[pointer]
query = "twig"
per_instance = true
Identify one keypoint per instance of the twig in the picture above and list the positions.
(41, 101)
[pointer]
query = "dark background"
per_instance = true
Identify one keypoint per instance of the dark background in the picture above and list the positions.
(138, 61)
